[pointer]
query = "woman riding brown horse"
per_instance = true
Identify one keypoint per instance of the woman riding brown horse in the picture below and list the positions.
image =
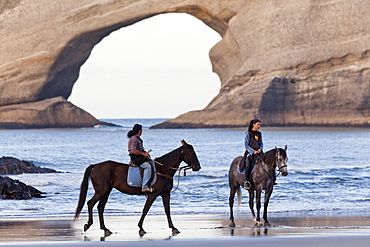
(109, 174)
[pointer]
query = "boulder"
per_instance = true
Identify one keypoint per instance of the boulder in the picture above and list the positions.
(12, 166)
(15, 189)
(49, 113)
(289, 62)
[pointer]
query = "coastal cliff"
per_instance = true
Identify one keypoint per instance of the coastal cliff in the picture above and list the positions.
(289, 62)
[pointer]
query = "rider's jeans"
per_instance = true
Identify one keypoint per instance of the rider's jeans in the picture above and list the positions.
(147, 174)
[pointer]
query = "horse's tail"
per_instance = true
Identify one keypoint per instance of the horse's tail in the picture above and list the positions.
(83, 191)
(239, 195)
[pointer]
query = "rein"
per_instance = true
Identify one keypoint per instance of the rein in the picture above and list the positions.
(278, 169)
(184, 168)
(263, 168)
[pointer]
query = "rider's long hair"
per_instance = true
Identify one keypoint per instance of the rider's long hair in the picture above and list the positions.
(253, 121)
(134, 130)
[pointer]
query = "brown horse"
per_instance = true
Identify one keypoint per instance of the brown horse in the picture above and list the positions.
(262, 178)
(109, 174)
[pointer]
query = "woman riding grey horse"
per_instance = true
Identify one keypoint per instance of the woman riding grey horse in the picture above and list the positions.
(253, 148)
(263, 178)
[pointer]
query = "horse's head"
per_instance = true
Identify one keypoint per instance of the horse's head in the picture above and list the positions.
(281, 159)
(190, 156)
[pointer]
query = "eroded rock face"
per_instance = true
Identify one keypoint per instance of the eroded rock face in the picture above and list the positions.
(289, 62)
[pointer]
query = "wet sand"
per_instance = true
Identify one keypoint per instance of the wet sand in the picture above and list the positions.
(196, 230)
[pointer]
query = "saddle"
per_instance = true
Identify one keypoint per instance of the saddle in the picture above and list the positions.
(135, 175)
(133, 164)
(242, 164)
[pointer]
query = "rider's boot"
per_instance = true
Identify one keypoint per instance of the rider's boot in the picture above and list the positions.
(147, 189)
(247, 184)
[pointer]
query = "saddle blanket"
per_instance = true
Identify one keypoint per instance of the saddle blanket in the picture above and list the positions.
(243, 170)
(134, 179)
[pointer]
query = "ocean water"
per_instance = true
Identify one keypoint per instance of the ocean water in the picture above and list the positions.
(329, 169)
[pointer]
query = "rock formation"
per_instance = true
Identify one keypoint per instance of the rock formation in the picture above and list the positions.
(12, 166)
(289, 62)
(48, 113)
(15, 189)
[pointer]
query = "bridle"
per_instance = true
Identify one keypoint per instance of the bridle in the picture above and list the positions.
(184, 168)
(278, 168)
(281, 167)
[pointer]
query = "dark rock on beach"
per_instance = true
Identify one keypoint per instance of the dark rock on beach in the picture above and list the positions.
(15, 189)
(11, 166)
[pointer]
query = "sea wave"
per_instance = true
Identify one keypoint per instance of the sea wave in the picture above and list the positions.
(332, 183)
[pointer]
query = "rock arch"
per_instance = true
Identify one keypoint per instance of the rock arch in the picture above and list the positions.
(65, 70)
(319, 45)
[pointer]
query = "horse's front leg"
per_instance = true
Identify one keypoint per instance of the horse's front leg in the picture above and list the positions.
(258, 206)
(266, 203)
(166, 204)
(251, 204)
(149, 201)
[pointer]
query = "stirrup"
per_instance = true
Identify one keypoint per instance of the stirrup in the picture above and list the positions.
(247, 185)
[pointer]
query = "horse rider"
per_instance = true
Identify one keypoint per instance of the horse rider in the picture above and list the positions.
(139, 156)
(253, 147)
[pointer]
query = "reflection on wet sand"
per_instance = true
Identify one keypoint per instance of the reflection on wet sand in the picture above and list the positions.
(256, 231)
(125, 228)
(37, 230)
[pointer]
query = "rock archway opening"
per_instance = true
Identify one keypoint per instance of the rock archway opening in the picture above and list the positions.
(156, 68)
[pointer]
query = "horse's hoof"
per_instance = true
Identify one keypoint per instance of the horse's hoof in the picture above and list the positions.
(258, 224)
(232, 224)
(267, 224)
(86, 227)
(142, 233)
(107, 233)
(175, 231)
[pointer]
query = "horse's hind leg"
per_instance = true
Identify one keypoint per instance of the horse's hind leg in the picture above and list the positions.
(233, 190)
(101, 207)
(90, 204)
(149, 201)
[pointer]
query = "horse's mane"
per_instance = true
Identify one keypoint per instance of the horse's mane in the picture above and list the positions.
(269, 157)
(169, 158)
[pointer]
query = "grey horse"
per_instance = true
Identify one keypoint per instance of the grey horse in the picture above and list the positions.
(262, 178)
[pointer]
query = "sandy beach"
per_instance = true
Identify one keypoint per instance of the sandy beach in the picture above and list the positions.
(196, 230)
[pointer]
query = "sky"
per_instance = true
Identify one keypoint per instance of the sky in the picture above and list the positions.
(156, 68)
